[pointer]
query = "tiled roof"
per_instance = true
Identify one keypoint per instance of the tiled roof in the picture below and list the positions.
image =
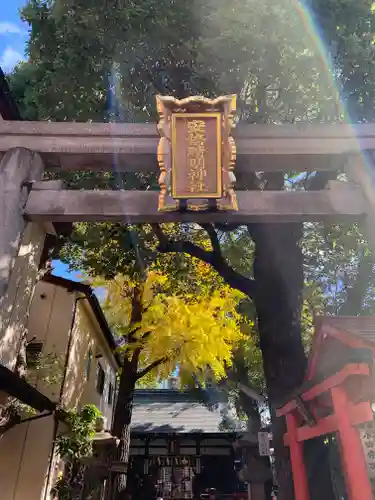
(172, 411)
(359, 326)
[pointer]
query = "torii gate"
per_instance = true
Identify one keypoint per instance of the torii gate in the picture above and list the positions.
(336, 398)
(28, 148)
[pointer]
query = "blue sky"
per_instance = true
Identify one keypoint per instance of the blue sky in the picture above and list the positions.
(13, 34)
(61, 269)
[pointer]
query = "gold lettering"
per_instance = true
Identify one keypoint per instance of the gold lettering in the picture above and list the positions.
(196, 150)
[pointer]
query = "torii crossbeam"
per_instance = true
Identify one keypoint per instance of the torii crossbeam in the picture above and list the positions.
(132, 147)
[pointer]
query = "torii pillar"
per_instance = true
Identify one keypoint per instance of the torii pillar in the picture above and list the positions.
(21, 245)
(344, 420)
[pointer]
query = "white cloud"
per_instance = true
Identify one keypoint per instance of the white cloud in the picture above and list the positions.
(9, 58)
(6, 27)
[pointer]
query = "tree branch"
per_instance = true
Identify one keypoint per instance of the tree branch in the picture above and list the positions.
(225, 227)
(252, 393)
(210, 230)
(230, 276)
(320, 180)
(134, 360)
(169, 246)
(150, 367)
(145, 336)
(356, 293)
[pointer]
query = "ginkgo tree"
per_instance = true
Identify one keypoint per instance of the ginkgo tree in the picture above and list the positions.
(161, 330)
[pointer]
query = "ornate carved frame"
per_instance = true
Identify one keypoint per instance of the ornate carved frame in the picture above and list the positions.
(167, 106)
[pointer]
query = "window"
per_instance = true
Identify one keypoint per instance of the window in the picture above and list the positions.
(33, 353)
(88, 364)
(110, 394)
(100, 379)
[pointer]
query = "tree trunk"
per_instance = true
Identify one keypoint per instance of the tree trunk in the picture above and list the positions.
(122, 421)
(278, 271)
(124, 406)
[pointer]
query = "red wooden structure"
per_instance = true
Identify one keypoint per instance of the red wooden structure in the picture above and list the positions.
(335, 398)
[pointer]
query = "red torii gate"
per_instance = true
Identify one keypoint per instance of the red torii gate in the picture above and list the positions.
(335, 403)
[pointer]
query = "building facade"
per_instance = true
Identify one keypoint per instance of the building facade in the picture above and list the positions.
(67, 329)
(179, 448)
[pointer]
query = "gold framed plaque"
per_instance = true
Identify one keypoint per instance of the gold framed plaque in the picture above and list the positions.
(196, 153)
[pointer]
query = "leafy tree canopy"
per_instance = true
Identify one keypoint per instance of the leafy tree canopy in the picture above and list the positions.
(79, 49)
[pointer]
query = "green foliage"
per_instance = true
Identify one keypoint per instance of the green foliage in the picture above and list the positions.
(261, 50)
(73, 445)
(23, 410)
(77, 441)
(105, 249)
(336, 270)
(48, 369)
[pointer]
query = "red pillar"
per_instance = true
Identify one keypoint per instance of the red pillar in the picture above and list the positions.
(354, 463)
(301, 489)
